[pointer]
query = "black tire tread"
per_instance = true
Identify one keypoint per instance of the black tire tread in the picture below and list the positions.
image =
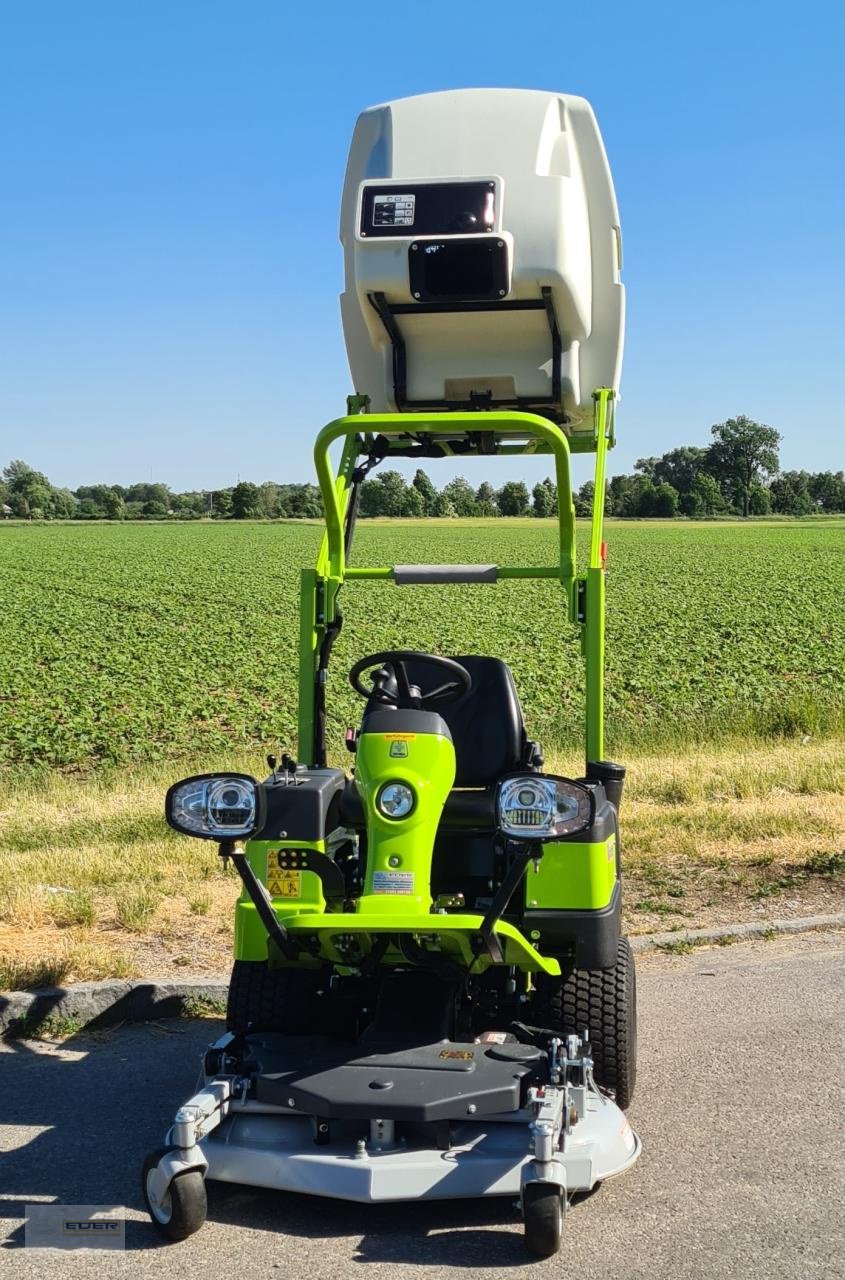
(265, 999)
(604, 1001)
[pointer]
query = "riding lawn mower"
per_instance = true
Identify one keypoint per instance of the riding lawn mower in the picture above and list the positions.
(431, 995)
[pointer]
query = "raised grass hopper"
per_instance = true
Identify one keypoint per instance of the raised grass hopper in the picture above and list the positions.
(483, 254)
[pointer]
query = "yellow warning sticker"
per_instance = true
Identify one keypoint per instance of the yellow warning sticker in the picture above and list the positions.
(284, 884)
(457, 1055)
(400, 737)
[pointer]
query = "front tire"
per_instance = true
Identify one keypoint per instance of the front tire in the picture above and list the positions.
(265, 999)
(542, 1212)
(183, 1208)
(605, 1002)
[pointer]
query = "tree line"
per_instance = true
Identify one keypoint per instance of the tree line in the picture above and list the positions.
(737, 473)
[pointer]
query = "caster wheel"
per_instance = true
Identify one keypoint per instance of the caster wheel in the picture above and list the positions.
(182, 1209)
(542, 1211)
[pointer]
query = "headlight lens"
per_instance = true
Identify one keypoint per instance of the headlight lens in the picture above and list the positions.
(540, 807)
(395, 800)
(216, 806)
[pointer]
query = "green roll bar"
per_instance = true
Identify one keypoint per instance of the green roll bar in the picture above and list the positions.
(515, 433)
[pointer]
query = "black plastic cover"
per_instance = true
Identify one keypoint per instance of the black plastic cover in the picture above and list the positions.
(428, 1082)
(306, 808)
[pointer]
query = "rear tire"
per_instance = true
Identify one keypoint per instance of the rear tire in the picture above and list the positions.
(542, 1212)
(265, 999)
(605, 1002)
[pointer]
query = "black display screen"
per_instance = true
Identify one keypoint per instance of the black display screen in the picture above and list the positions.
(466, 270)
(430, 208)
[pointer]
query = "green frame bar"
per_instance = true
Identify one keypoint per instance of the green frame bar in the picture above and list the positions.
(399, 424)
(594, 586)
(584, 593)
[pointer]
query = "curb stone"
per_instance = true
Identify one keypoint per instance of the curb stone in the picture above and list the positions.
(759, 929)
(102, 1004)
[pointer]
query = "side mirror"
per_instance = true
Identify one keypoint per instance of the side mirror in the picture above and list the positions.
(540, 807)
(216, 806)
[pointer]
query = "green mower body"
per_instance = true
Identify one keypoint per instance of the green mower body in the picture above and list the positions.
(432, 874)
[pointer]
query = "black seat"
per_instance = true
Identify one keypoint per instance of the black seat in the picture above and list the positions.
(486, 724)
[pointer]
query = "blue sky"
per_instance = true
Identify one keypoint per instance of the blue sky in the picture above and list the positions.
(168, 302)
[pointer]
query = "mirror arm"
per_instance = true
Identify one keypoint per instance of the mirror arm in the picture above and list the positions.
(260, 899)
(530, 851)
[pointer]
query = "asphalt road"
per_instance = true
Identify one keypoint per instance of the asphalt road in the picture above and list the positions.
(739, 1105)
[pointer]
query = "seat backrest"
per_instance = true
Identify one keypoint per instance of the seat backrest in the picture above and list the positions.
(486, 724)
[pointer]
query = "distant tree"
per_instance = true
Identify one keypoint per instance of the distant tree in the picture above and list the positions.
(617, 495)
(790, 494)
(704, 498)
(442, 506)
(412, 503)
(63, 504)
(29, 490)
(190, 505)
(544, 499)
(827, 489)
(148, 493)
(742, 454)
(424, 487)
(113, 505)
(486, 500)
(678, 467)
(638, 498)
(300, 502)
(18, 475)
(646, 467)
(384, 495)
(760, 501)
(268, 499)
(513, 499)
(461, 495)
(152, 509)
(583, 499)
(665, 502)
(221, 504)
(246, 501)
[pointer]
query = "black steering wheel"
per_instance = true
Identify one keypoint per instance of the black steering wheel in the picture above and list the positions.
(391, 686)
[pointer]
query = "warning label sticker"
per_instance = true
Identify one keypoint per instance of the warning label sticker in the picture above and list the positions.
(284, 884)
(393, 882)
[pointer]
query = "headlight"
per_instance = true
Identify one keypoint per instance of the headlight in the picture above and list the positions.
(539, 807)
(215, 806)
(395, 800)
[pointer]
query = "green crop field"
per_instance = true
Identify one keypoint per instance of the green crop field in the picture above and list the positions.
(139, 642)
